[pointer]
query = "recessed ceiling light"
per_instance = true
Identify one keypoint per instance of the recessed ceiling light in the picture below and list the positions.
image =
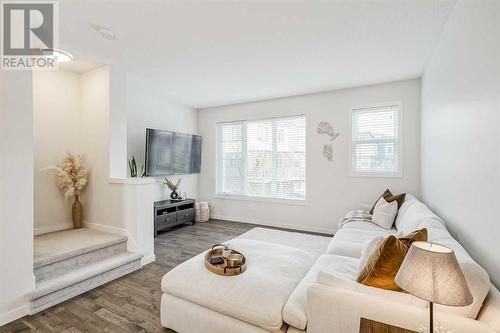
(57, 55)
(105, 33)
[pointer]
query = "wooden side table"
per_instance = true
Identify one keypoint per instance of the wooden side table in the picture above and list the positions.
(372, 326)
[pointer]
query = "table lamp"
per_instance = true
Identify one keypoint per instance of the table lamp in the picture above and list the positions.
(430, 271)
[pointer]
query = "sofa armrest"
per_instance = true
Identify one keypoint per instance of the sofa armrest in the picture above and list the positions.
(336, 306)
(328, 279)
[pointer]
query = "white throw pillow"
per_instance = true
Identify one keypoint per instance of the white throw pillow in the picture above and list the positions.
(368, 250)
(385, 213)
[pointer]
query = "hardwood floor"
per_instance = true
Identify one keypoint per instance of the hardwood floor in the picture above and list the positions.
(130, 303)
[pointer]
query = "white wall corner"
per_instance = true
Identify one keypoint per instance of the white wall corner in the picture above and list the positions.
(117, 122)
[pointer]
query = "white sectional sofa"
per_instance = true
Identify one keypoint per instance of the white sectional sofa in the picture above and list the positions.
(296, 283)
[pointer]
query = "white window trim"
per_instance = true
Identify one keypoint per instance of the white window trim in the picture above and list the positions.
(378, 174)
(293, 202)
(221, 195)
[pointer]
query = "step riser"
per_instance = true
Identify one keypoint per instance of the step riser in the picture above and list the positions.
(62, 266)
(64, 294)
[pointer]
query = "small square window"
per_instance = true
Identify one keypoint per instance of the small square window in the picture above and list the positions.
(376, 141)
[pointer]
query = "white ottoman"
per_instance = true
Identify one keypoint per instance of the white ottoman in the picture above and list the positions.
(255, 298)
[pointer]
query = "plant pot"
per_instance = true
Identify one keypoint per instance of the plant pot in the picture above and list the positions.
(77, 213)
(174, 195)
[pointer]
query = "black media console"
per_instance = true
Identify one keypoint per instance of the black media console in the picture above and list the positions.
(168, 213)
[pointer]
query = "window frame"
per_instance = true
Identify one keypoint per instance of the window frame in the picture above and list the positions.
(399, 149)
(218, 160)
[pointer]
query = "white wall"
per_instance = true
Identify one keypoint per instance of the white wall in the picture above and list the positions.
(56, 129)
(147, 108)
(461, 130)
(98, 198)
(117, 122)
(332, 192)
(121, 206)
(16, 193)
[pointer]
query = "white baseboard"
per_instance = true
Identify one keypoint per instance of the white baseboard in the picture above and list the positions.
(277, 225)
(132, 245)
(147, 260)
(106, 228)
(14, 314)
(52, 228)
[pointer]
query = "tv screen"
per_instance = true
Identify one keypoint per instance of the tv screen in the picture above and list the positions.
(171, 153)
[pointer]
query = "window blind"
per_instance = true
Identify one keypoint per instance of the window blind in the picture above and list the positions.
(375, 139)
(265, 158)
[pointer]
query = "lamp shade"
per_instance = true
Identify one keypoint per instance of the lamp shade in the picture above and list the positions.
(431, 271)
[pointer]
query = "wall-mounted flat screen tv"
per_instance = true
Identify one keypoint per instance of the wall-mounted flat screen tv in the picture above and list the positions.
(171, 153)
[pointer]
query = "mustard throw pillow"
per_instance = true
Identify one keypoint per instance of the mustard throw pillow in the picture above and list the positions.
(383, 264)
(417, 235)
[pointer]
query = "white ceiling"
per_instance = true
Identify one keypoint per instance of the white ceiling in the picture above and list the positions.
(209, 53)
(79, 65)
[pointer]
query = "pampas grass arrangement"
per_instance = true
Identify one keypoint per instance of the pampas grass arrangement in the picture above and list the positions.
(72, 179)
(72, 175)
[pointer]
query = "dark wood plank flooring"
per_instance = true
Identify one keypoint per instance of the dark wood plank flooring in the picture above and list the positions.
(130, 303)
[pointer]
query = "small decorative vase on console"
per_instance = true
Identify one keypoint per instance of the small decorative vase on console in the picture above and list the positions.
(77, 213)
(174, 195)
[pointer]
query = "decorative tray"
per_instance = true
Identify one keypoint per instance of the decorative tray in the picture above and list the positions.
(224, 268)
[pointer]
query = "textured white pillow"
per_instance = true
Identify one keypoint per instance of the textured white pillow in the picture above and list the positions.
(385, 213)
(368, 250)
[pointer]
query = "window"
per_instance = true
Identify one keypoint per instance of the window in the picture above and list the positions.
(264, 158)
(376, 140)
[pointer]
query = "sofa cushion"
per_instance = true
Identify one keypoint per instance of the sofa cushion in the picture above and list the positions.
(409, 201)
(367, 251)
(413, 216)
(294, 312)
(490, 309)
(256, 296)
(389, 295)
(313, 244)
(370, 226)
(292, 329)
(350, 241)
(477, 278)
